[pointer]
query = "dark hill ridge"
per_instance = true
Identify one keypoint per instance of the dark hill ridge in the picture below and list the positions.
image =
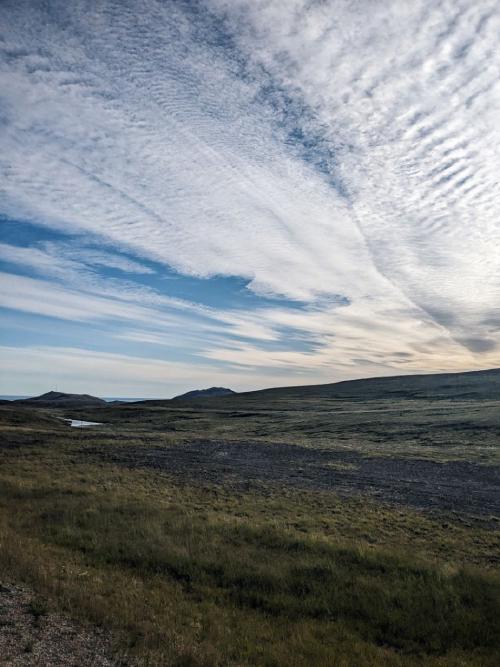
(468, 385)
(59, 399)
(480, 385)
(472, 385)
(201, 393)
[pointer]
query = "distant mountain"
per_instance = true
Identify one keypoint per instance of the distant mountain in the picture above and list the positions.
(58, 399)
(201, 393)
(472, 385)
(469, 385)
(481, 385)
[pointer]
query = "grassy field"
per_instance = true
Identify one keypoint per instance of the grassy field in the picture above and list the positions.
(263, 533)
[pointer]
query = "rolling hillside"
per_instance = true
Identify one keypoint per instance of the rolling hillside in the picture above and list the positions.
(474, 385)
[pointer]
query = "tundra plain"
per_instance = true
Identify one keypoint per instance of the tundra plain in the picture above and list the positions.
(354, 524)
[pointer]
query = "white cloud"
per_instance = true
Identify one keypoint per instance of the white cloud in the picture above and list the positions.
(359, 340)
(171, 141)
(190, 174)
(408, 96)
(264, 347)
(51, 300)
(76, 269)
(97, 258)
(34, 369)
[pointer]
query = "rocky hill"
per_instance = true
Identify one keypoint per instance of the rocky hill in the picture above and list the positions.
(205, 393)
(59, 399)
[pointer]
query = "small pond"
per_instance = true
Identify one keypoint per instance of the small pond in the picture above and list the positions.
(79, 423)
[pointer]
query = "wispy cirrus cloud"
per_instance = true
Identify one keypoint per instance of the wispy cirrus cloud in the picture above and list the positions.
(76, 369)
(189, 175)
(88, 256)
(407, 96)
(338, 154)
(78, 269)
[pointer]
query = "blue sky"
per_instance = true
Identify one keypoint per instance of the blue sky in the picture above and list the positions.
(246, 194)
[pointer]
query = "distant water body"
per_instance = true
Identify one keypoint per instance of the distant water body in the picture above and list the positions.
(79, 423)
(128, 400)
(11, 398)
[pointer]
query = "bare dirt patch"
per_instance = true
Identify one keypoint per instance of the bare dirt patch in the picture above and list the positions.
(453, 486)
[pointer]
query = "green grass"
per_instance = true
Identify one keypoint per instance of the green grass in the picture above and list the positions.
(209, 576)
(441, 430)
(256, 575)
(387, 600)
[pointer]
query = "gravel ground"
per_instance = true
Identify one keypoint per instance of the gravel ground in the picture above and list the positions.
(31, 636)
(453, 486)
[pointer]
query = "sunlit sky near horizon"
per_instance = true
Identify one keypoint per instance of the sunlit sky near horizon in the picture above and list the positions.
(246, 193)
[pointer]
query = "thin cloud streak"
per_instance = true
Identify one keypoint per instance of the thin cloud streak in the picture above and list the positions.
(353, 340)
(80, 370)
(409, 95)
(340, 154)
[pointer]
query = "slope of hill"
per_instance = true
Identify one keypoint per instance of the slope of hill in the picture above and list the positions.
(12, 415)
(59, 399)
(469, 385)
(201, 393)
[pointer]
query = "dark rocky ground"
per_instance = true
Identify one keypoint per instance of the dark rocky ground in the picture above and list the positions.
(460, 486)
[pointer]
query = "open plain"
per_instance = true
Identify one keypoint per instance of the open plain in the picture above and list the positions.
(336, 525)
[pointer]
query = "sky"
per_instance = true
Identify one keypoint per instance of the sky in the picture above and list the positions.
(246, 193)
